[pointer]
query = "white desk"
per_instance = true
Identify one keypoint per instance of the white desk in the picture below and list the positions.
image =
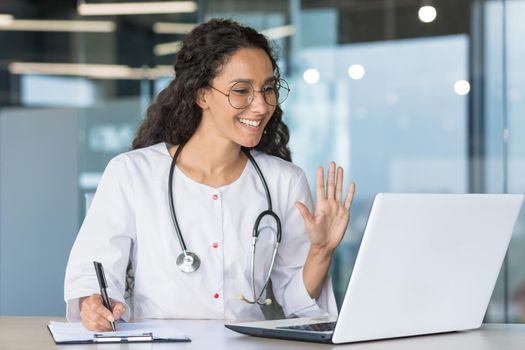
(23, 333)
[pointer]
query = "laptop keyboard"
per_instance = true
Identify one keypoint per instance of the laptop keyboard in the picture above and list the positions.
(316, 327)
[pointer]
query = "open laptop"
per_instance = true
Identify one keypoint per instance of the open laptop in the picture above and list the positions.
(427, 263)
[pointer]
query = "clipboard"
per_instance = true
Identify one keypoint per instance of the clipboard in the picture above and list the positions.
(142, 332)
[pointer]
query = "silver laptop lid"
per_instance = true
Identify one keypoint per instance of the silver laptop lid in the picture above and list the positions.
(428, 263)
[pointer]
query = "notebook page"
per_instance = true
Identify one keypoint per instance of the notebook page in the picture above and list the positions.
(75, 331)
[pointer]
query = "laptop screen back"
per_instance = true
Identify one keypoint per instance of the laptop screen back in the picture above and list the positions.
(428, 263)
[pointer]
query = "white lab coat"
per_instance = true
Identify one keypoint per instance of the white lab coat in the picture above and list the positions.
(130, 217)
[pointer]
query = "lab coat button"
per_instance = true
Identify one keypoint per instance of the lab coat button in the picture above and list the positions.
(215, 245)
(215, 197)
(216, 296)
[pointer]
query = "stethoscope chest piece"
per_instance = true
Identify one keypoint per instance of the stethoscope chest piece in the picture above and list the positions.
(188, 262)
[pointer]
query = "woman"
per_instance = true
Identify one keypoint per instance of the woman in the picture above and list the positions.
(222, 109)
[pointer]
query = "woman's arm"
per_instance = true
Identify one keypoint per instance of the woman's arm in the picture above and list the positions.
(106, 235)
(326, 227)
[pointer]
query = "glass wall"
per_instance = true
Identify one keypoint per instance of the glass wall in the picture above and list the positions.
(514, 152)
(406, 98)
(503, 140)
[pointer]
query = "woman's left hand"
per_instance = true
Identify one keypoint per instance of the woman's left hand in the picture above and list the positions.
(328, 224)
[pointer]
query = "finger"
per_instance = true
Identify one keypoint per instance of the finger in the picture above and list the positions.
(330, 184)
(101, 310)
(319, 192)
(305, 213)
(94, 326)
(94, 321)
(103, 321)
(118, 310)
(339, 185)
(90, 313)
(100, 324)
(350, 196)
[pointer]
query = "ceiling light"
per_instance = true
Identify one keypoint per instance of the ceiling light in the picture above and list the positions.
(5, 19)
(279, 32)
(167, 48)
(311, 76)
(462, 87)
(427, 14)
(93, 71)
(136, 8)
(356, 71)
(173, 28)
(57, 26)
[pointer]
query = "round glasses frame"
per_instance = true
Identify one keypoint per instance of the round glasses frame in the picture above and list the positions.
(281, 91)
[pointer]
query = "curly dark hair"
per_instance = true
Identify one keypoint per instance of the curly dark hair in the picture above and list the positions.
(175, 115)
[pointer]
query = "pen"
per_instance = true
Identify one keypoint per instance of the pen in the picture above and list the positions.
(103, 285)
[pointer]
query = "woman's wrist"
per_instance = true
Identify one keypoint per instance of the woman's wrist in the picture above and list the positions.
(321, 251)
(316, 268)
(81, 301)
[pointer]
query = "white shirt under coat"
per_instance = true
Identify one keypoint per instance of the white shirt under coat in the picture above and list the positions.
(130, 214)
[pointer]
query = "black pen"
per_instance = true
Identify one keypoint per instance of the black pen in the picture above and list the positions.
(103, 285)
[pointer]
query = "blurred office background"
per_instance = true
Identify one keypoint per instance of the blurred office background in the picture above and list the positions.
(407, 95)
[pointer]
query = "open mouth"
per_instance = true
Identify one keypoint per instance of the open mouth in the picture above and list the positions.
(250, 122)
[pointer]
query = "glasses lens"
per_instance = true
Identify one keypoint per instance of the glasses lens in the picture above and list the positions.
(282, 90)
(241, 95)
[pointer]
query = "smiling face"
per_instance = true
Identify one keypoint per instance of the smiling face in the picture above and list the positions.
(242, 126)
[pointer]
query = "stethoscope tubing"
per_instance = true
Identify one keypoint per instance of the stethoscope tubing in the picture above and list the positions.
(261, 176)
(255, 233)
(195, 262)
(172, 205)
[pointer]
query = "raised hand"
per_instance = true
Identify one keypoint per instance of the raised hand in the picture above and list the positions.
(327, 225)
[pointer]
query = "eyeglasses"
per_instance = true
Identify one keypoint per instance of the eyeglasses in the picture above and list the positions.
(241, 93)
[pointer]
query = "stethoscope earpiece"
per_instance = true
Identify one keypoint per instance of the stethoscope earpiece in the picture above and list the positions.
(267, 302)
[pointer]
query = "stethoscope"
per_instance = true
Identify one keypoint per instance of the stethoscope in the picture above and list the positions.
(189, 262)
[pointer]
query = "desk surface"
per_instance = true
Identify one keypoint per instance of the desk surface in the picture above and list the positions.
(22, 333)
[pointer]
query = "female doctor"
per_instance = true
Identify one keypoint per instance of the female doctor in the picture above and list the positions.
(209, 170)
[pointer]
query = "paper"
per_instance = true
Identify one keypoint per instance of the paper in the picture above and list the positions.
(75, 332)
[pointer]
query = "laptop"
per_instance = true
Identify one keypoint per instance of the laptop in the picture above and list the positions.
(428, 263)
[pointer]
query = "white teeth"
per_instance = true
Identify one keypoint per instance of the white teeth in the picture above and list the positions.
(253, 123)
